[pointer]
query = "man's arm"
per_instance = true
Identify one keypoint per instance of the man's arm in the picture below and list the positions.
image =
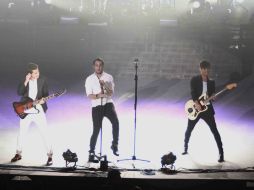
(45, 91)
(212, 89)
(22, 87)
(193, 90)
(97, 96)
(89, 91)
(109, 86)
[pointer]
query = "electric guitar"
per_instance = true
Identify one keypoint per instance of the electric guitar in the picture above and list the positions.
(190, 109)
(24, 108)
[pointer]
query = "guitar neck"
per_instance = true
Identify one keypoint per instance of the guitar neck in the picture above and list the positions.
(45, 99)
(215, 95)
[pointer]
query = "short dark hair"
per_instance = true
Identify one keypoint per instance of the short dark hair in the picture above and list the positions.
(98, 59)
(204, 65)
(31, 67)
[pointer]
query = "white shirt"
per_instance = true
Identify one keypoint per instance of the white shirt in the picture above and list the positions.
(205, 90)
(204, 87)
(32, 89)
(93, 86)
(32, 93)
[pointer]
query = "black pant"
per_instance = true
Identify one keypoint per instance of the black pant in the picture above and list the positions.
(208, 117)
(98, 112)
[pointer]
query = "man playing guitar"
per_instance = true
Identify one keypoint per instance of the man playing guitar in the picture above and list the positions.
(201, 84)
(36, 88)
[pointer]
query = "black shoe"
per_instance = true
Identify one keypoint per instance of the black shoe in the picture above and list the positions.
(115, 150)
(185, 150)
(49, 161)
(221, 158)
(91, 157)
(16, 158)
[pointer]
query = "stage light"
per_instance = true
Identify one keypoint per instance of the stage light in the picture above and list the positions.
(168, 159)
(200, 6)
(70, 157)
(48, 1)
(10, 5)
(196, 4)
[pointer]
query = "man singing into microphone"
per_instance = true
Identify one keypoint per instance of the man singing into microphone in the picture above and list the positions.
(99, 89)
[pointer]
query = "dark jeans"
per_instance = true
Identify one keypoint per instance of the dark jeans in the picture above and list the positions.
(98, 113)
(208, 117)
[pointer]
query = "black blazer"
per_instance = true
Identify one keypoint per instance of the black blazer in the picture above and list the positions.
(196, 85)
(42, 91)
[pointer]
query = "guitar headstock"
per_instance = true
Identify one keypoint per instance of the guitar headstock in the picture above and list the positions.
(231, 86)
(60, 93)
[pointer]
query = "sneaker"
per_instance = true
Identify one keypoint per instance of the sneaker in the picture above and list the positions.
(115, 150)
(16, 158)
(49, 161)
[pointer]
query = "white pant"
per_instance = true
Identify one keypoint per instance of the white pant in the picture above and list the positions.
(40, 120)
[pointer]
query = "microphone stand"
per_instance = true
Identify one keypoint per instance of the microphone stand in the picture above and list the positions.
(103, 164)
(135, 117)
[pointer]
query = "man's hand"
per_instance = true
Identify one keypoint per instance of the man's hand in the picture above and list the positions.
(102, 95)
(102, 83)
(28, 77)
(108, 88)
(197, 106)
(42, 101)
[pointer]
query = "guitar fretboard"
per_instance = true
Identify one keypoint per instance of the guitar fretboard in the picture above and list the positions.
(49, 97)
(45, 99)
(213, 96)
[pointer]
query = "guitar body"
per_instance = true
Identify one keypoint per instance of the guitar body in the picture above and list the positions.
(191, 111)
(27, 107)
(21, 107)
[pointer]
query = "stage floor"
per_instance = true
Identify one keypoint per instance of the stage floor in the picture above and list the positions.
(161, 124)
(15, 177)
